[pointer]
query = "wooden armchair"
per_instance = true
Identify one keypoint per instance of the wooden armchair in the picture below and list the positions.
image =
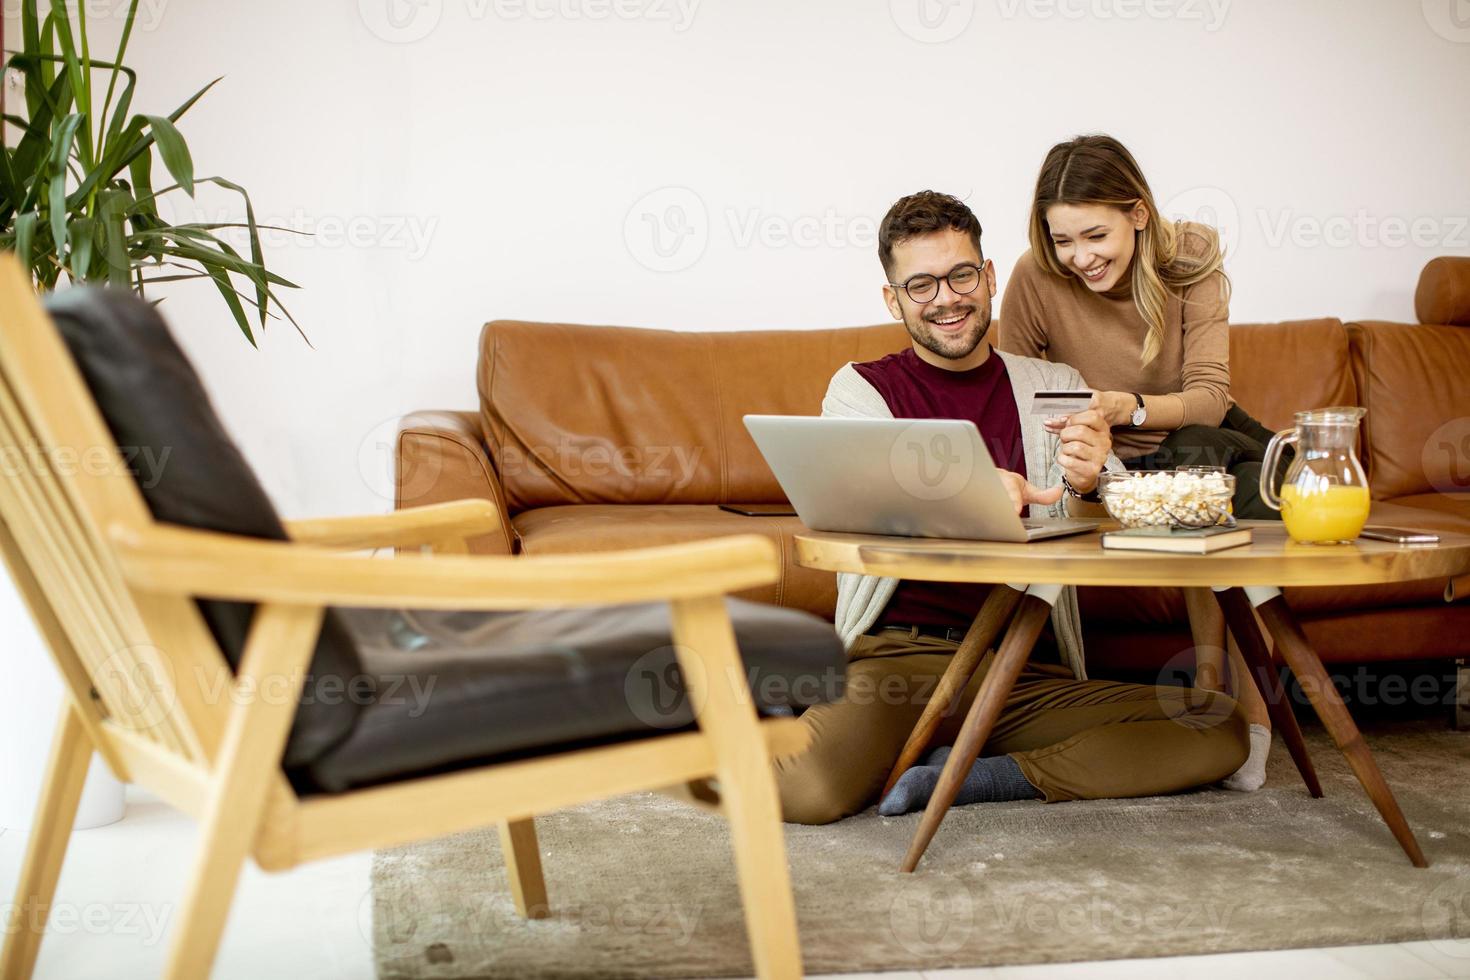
(114, 592)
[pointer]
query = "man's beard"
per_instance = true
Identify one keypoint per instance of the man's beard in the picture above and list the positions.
(953, 347)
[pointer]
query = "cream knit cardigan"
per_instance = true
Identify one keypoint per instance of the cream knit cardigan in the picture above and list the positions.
(861, 598)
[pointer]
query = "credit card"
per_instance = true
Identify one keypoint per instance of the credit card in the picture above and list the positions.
(1060, 402)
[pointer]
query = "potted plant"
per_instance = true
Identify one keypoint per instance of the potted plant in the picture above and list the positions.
(79, 194)
(79, 190)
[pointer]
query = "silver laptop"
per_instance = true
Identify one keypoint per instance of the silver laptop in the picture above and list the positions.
(925, 478)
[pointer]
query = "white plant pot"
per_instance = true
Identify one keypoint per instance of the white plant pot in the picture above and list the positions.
(29, 721)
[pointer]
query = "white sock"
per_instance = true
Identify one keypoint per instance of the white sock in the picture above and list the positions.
(1252, 776)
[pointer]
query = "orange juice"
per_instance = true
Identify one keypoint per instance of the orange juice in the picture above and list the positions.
(1334, 513)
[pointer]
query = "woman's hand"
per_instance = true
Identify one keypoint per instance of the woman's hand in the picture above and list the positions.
(1116, 406)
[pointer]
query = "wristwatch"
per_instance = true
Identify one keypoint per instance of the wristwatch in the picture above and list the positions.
(1140, 413)
(1090, 497)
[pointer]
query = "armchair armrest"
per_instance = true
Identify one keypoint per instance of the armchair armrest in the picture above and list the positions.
(435, 524)
(182, 561)
(441, 457)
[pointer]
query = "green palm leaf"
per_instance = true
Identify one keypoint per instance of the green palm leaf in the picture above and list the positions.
(77, 192)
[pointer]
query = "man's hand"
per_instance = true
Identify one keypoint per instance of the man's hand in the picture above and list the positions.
(1085, 444)
(1023, 493)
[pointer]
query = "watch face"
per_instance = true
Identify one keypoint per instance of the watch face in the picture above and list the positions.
(1139, 415)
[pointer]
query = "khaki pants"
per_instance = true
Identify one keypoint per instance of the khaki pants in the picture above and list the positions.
(1074, 740)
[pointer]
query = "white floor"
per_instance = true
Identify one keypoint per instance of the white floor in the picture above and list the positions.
(120, 885)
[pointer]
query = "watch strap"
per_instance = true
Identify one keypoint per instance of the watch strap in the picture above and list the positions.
(1090, 497)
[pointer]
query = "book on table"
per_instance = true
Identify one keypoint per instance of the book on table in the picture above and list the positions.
(1181, 540)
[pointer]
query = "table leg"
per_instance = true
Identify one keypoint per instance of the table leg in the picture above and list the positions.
(1242, 623)
(1031, 616)
(1461, 720)
(1307, 667)
(992, 618)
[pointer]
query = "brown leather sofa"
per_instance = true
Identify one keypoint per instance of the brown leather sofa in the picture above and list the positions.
(592, 438)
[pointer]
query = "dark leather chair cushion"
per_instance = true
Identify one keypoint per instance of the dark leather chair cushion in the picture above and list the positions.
(395, 694)
(456, 689)
(191, 474)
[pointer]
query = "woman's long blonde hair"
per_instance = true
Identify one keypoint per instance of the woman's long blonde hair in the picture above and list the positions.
(1100, 170)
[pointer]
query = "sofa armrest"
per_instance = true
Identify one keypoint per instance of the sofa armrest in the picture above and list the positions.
(444, 527)
(441, 458)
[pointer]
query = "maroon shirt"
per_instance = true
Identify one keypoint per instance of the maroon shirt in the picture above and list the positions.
(916, 389)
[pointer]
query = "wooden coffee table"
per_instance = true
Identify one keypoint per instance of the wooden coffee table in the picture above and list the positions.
(1242, 578)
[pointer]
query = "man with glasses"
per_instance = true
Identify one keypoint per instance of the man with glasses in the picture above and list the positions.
(1061, 736)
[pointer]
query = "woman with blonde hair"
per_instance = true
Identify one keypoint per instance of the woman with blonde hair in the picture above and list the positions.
(1139, 305)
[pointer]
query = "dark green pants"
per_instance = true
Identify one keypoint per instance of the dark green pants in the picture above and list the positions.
(1238, 443)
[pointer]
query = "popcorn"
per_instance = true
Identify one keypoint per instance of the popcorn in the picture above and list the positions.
(1192, 499)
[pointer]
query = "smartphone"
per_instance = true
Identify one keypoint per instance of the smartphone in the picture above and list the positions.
(1398, 535)
(1060, 402)
(760, 510)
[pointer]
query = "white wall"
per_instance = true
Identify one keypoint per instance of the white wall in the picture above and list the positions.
(519, 140)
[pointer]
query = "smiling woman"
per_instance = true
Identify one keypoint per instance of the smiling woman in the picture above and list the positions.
(1139, 305)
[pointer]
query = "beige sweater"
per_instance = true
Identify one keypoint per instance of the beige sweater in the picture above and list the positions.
(1102, 334)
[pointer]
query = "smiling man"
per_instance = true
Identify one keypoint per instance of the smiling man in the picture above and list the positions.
(1060, 737)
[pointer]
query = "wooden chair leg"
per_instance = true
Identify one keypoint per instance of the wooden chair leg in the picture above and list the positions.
(747, 783)
(66, 773)
(249, 760)
(1252, 646)
(999, 606)
(1307, 666)
(1020, 639)
(753, 809)
(224, 841)
(523, 867)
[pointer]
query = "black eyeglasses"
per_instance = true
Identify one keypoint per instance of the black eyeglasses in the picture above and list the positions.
(922, 288)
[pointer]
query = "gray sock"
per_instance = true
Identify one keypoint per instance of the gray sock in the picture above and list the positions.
(993, 780)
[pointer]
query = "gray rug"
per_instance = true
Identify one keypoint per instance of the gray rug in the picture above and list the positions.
(643, 886)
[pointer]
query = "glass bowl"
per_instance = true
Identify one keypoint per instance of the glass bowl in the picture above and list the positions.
(1167, 498)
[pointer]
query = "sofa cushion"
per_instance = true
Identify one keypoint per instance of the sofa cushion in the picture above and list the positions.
(610, 527)
(1443, 295)
(1422, 632)
(155, 405)
(1164, 607)
(1279, 369)
(616, 415)
(1431, 511)
(469, 687)
(1417, 431)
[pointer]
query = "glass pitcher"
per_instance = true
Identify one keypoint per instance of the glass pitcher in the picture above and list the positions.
(1324, 494)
